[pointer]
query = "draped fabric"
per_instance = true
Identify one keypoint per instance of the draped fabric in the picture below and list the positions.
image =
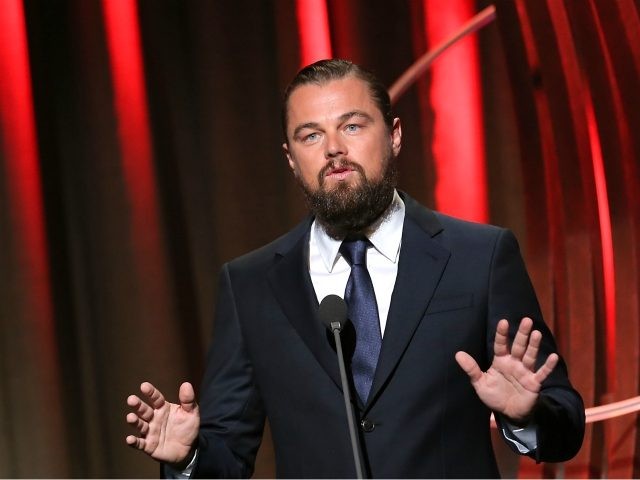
(140, 148)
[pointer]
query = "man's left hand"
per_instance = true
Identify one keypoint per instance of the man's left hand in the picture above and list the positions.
(511, 385)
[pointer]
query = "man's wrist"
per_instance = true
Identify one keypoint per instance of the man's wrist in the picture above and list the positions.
(183, 464)
(519, 422)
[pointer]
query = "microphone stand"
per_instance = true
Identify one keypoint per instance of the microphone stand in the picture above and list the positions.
(336, 327)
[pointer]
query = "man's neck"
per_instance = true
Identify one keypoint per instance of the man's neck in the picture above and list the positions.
(394, 205)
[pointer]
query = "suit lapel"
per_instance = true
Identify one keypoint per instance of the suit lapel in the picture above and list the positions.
(422, 262)
(291, 284)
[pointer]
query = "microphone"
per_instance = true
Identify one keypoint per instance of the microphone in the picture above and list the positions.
(333, 313)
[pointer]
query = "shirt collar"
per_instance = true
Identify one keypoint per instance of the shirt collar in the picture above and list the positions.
(385, 235)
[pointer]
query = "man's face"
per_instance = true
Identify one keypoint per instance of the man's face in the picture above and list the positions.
(342, 154)
(336, 136)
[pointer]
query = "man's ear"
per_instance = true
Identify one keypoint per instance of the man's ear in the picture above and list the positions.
(396, 136)
(287, 153)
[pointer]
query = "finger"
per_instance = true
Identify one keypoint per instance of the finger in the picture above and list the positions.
(187, 397)
(501, 342)
(469, 365)
(545, 370)
(133, 401)
(521, 339)
(143, 410)
(531, 355)
(156, 399)
(135, 442)
(137, 423)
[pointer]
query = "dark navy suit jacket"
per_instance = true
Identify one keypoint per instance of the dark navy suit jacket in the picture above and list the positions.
(271, 357)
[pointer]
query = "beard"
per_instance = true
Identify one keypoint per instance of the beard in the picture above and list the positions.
(349, 209)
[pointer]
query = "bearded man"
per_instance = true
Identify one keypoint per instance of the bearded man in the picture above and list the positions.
(446, 325)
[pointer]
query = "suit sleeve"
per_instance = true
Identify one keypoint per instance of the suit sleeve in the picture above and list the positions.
(232, 416)
(559, 414)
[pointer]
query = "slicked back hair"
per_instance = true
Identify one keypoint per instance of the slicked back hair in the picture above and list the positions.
(324, 71)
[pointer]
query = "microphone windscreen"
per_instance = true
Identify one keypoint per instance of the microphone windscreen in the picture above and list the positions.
(332, 309)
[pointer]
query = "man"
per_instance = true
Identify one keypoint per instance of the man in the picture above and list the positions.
(440, 297)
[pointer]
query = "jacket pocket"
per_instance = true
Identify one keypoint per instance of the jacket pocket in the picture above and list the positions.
(447, 303)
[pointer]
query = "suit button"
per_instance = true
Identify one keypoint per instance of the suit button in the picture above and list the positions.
(367, 425)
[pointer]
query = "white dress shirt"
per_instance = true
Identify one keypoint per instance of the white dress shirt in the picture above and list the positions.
(330, 271)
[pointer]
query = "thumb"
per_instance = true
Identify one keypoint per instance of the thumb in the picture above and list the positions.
(469, 365)
(187, 397)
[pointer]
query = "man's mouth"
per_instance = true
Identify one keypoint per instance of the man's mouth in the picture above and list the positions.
(339, 173)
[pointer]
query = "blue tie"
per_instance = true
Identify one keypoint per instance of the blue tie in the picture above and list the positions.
(363, 313)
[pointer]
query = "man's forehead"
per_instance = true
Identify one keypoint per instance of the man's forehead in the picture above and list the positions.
(349, 82)
(344, 94)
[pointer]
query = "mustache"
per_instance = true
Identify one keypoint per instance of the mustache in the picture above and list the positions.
(339, 164)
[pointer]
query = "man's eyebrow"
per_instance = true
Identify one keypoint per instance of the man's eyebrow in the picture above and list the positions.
(355, 113)
(311, 125)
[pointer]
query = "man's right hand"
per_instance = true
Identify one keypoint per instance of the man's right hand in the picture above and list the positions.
(165, 431)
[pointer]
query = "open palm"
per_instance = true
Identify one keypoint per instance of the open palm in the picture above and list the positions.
(511, 384)
(166, 431)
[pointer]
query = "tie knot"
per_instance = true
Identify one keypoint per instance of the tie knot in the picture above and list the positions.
(354, 250)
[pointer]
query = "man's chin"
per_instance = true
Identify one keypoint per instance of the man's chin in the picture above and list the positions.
(348, 207)
(341, 185)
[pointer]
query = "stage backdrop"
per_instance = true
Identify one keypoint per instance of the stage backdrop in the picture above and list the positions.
(141, 148)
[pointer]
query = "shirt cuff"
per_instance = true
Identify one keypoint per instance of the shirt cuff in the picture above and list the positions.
(525, 439)
(181, 474)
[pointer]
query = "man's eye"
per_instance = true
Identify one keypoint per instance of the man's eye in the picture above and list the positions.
(312, 137)
(351, 128)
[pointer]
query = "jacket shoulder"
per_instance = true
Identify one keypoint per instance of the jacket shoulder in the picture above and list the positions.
(264, 255)
(435, 223)
(460, 226)
(439, 224)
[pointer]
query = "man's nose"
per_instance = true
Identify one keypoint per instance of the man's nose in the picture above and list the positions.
(335, 146)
